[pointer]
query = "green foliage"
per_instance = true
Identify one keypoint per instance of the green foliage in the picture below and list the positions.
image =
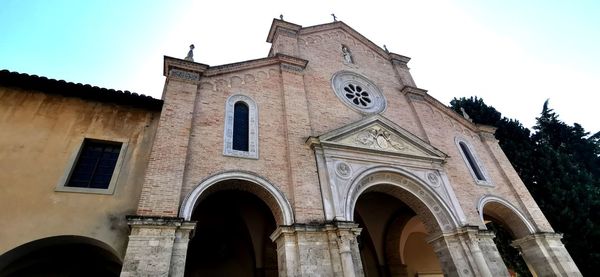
(476, 109)
(560, 165)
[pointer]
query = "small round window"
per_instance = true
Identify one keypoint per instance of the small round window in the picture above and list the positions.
(358, 92)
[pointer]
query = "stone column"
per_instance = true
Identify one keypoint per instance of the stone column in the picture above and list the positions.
(459, 253)
(546, 255)
(287, 251)
(318, 250)
(157, 246)
(492, 256)
(183, 235)
(347, 244)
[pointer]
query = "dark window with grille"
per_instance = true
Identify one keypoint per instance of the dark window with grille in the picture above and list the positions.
(471, 161)
(240, 126)
(95, 165)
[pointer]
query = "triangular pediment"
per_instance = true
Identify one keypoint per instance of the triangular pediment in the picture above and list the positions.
(378, 134)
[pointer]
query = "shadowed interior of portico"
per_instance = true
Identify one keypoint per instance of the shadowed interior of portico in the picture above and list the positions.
(393, 239)
(232, 237)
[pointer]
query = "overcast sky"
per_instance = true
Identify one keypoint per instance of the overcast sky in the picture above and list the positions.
(513, 54)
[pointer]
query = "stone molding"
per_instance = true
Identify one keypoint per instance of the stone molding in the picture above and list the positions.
(262, 62)
(228, 150)
(449, 216)
(282, 26)
(183, 69)
(422, 95)
(482, 168)
(285, 209)
(398, 141)
(492, 198)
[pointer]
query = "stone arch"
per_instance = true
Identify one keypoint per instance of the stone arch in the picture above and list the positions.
(59, 252)
(263, 189)
(502, 210)
(410, 189)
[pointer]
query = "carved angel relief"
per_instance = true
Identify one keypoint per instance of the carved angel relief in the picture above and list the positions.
(378, 138)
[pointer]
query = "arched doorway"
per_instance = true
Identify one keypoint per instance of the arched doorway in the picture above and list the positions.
(61, 256)
(235, 213)
(508, 224)
(398, 214)
(232, 237)
(393, 240)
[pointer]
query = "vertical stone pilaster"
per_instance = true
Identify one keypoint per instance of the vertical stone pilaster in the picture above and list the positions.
(303, 179)
(157, 246)
(491, 254)
(163, 180)
(283, 37)
(400, 64)
(524, 198)
(546, 255)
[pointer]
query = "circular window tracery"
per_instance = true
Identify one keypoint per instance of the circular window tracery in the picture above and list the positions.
(358, 92)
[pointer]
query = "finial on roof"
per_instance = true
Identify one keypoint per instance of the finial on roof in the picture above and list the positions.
(465, 115)
(190, 55)
(334, 17)
(281, 16)
(385, 48)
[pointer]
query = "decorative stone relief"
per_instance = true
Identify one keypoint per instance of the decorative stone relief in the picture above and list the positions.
(433, 179)
(343, 170)
(185, 75)
(379, 138)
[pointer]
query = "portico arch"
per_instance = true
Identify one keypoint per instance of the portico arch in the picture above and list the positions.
(403, 196)
(245, 181)
(509, 215)
(410, 189)
(65, 255)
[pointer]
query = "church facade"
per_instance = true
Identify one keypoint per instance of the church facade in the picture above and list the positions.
(322, 159)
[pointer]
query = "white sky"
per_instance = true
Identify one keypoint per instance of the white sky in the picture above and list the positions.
(513, 55)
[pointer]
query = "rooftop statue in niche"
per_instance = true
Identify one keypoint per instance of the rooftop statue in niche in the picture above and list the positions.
(347, 55)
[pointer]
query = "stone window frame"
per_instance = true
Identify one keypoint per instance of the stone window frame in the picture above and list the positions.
(61, 185)
(477, 162)
(228, 150)
(341, 79)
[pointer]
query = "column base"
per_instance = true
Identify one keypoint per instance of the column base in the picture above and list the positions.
(157, 246)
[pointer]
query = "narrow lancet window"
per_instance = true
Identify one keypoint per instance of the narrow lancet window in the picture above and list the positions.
(471, 161)
(240, 126)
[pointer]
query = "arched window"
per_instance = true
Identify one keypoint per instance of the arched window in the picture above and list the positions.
(472, 162)
(241, 127)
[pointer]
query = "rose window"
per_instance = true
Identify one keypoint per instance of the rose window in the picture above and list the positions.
(357, 95)
(358, 92)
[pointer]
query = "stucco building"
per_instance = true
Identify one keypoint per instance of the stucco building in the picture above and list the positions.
(322, 159)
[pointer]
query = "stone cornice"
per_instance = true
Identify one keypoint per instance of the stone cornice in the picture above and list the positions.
(277, 59)
(159, 222)
(421, 94)
(183, 65)
(280, 25)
